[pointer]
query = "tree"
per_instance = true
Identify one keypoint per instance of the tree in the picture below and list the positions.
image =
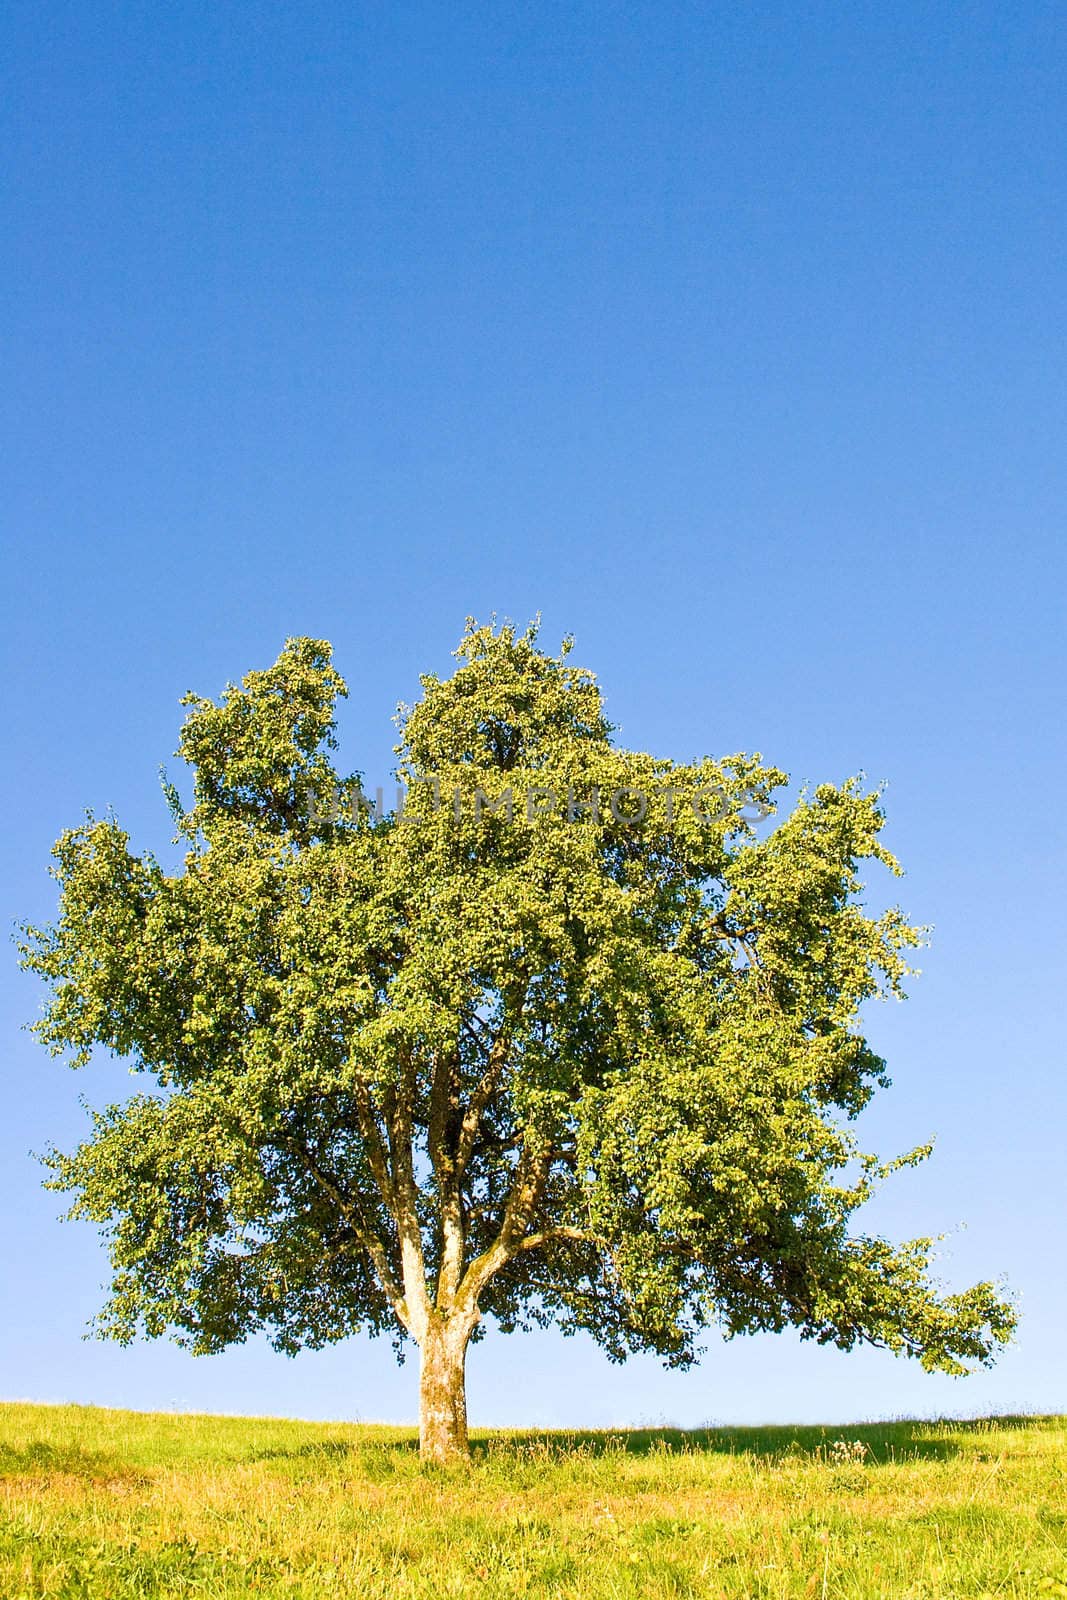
(567, 1038)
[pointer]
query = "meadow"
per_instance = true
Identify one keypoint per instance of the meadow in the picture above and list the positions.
(114, 1505)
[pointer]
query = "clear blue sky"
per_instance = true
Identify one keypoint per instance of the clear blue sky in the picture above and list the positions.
(730, 338)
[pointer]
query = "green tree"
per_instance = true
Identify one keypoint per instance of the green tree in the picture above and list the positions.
(565, 1040)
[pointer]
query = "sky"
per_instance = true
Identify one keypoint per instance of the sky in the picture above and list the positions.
(729, 339)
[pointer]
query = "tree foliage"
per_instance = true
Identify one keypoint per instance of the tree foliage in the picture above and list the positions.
(565, 1064)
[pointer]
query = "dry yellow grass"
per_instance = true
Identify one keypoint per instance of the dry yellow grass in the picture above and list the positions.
(114, 1505)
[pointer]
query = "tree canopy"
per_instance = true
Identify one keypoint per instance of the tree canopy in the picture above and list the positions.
(572, 1036)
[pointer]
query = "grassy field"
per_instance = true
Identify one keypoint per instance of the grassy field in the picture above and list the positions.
(114, 1504)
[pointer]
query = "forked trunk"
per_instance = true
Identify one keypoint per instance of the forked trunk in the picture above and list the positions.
(443, 1394)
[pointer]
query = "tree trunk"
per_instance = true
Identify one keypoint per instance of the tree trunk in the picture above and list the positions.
(443, 1393)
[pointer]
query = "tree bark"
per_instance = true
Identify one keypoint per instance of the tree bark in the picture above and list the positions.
(443, 1392)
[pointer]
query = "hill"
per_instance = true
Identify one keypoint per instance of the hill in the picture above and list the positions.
(112, 1505)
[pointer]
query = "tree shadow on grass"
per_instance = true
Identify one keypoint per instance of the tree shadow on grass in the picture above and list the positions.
(362, 1451)
(941, 1439)
(884, 1443)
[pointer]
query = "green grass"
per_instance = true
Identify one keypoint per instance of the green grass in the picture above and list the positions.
(114, 1505)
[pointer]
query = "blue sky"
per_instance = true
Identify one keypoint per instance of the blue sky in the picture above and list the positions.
(731, 339)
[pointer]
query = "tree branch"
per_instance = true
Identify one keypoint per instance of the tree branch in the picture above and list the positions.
(522, 1202)
(371, 1134)
(367, 1240)
(534, 1241)
(479, 1100)
(399, 1120)
(441, 1141)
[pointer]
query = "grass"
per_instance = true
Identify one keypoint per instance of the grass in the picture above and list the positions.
(112, 1505)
